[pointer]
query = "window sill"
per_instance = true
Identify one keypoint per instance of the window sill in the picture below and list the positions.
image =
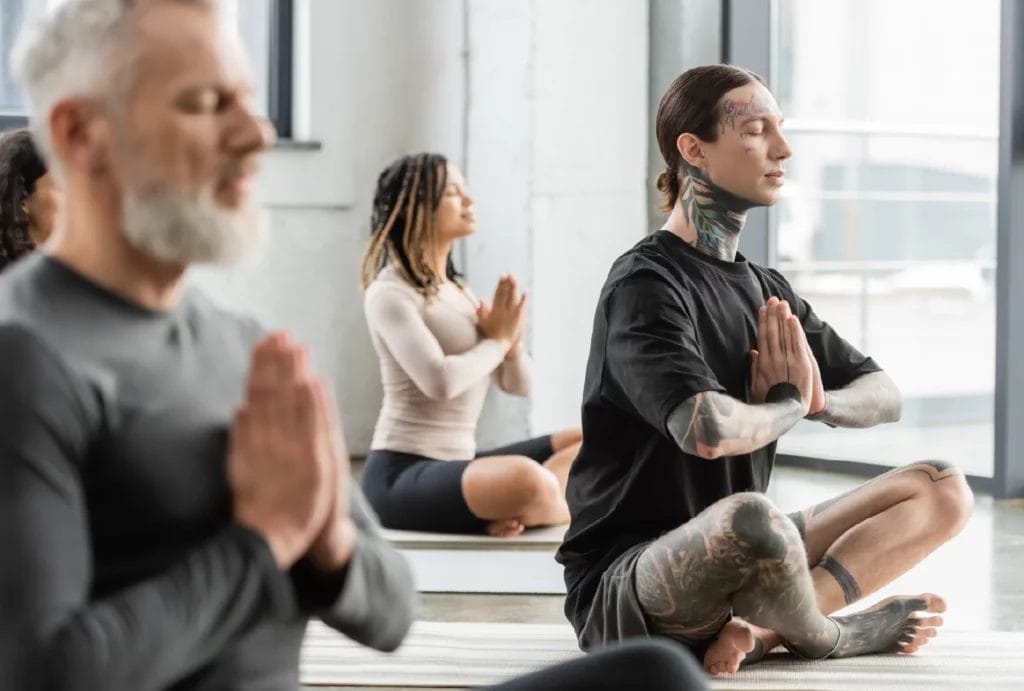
(297, 145)
(10, 122)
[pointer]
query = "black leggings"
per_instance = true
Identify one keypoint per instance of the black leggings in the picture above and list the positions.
(655, 664)
(411, 492)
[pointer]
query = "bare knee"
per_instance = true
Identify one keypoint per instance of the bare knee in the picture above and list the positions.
(944, 492)
(530, 485)
(950, 498)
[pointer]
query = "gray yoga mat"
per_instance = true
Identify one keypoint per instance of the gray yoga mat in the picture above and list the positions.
(541, 539)
(465, 655)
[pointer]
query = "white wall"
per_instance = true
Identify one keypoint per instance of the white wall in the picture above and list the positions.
(589, 192)
(682, 36)
(557, 149)
(386, 80)
(499, 165)
(546, 107)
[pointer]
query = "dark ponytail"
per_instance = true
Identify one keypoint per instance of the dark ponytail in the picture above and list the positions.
(668, 185)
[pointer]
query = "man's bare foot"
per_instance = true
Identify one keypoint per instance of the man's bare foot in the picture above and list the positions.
(505, 528)
(891, 626)
(730, 648)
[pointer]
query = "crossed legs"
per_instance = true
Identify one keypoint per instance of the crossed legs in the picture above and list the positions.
(516, 492)
(863, 540)
(743, 558)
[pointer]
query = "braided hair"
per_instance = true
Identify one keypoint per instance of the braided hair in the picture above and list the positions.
(402, 223)
(20, 167)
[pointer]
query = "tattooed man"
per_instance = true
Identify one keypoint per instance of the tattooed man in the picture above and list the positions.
(699, 362)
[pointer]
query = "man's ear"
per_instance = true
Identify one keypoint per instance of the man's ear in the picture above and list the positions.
(691, 149)
(80, 136)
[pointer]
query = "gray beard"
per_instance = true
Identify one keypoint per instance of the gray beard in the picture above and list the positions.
(182, 230)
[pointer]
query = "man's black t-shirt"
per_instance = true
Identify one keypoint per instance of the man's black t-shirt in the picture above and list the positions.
(671, 322)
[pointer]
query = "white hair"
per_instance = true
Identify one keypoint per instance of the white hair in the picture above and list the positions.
(69, 52)
(74, 52)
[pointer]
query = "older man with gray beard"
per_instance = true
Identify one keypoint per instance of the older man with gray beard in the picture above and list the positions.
(175, 499)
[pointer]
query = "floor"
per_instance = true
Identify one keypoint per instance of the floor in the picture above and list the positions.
(970, 446)
(979, 573)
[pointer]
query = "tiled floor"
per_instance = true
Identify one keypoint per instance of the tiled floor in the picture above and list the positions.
(979, 573)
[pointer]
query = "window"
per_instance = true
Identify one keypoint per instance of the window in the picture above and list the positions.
(265, 27)
(888, 221)
(13, 14)
(266, 30)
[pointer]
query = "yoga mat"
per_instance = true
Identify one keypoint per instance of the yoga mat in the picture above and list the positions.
(546, 539)
(465, 655)
(485, 571)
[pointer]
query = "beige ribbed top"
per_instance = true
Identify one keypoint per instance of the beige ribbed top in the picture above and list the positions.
(435, 367)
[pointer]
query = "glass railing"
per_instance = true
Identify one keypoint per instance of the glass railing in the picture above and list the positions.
(931, 326)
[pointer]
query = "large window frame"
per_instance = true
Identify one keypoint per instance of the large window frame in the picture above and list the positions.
(1008, 479)
(280, 73)
(280, 77)
(747, 31)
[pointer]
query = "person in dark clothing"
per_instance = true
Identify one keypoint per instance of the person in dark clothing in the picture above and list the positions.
(28, 197)
(700, 360)
(638, 665)
(175, 499)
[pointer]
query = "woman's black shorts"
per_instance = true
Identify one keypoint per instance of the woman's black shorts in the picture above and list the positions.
(411, 492)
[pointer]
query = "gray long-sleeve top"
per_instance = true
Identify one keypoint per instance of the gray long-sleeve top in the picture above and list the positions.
(120, 566)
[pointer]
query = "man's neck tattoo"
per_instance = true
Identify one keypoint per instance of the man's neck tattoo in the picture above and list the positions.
(717, 216)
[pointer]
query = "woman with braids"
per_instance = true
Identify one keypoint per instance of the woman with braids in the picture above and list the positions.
(28, 197)
(439, 349)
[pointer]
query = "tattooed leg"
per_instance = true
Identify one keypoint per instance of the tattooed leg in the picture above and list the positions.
(847, 583)
(861, 541)
(743, 555)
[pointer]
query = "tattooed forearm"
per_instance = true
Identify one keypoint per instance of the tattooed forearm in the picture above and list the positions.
(711, 424)
(871, 399)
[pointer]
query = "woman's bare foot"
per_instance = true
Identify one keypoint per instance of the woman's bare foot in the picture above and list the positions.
(891, 626)
(509, 527)
(734, 642)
